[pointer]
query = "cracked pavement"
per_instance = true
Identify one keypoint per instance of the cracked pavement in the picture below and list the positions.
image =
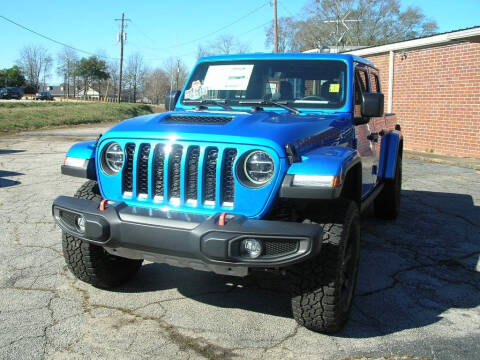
(418, 295)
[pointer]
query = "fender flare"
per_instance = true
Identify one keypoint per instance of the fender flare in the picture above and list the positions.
(390, 148)
(326, 161)
(84, 150)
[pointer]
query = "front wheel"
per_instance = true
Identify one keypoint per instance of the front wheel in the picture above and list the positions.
(91, 263)
(323, 287)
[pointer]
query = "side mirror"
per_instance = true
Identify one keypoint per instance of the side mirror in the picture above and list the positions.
(372, 105)
(171, 99)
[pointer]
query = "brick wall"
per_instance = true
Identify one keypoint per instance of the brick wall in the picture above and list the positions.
(436, 96)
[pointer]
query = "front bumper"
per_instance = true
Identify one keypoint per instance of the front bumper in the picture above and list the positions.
(187, 240)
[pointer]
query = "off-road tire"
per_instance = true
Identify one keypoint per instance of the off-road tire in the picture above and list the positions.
(91, 263)
(319, 300)
(387, 203)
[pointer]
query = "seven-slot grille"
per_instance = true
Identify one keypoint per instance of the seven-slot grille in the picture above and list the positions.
(161, 169)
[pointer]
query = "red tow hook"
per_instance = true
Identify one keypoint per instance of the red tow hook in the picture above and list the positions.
(103, 205)
(222, 219)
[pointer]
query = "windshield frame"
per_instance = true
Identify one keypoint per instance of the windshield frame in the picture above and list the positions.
(302, 106)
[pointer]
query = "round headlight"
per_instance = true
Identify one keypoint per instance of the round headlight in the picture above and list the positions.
(113, 158)
(259, 167)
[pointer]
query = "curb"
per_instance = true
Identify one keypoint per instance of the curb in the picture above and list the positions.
(469, 163)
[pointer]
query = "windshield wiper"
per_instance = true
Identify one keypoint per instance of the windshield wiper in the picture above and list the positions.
(282, 105)
(199, 103)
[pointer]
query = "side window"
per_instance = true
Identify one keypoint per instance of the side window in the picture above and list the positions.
(374, 83)
(361, 86)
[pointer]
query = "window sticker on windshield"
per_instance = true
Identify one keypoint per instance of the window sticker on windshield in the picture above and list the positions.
(228, 77)
(196, 91)
(334, 88)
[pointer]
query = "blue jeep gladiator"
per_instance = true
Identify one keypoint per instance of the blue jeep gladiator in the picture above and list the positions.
(263, 162)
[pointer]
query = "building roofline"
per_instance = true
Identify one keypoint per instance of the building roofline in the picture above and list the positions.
(472, 34)
(439, 39)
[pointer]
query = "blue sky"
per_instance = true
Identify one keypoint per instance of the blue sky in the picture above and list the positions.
(160, 29)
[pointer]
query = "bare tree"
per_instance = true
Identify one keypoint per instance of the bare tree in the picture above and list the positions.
(156, 84)
(112, 82)
(35, 63)
(134, 73)
(286, 34)
(67, 60)
(369, 23)
(177, 72)
(222, 45)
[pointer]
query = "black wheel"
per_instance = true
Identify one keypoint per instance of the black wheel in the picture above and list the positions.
(323, 287)
(387, 203)
(91, 263)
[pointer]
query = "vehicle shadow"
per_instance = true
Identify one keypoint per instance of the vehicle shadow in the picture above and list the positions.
(10, 151)
(413, 270)
(7, 182)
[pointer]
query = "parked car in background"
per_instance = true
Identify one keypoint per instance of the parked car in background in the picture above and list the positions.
(43, 95)
(11, 93)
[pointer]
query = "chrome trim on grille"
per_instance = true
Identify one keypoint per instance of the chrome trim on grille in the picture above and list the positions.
(179, 174)
(192, 202)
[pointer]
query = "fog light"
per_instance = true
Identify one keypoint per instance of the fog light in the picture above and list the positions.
(251, 248)
(80, 222)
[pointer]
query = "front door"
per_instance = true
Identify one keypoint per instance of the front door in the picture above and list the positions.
(365, 135)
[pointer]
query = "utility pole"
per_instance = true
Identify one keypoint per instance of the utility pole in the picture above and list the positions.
(121, 37)
(275, 27)
(177, 79)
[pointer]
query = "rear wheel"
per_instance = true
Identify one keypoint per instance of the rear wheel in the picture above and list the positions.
(323, 287)
(91, 263)
(387, 203)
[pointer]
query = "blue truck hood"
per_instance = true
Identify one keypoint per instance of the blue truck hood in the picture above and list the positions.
(267, 128)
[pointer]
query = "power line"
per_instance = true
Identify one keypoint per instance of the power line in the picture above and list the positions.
(193, 52)
(206, 35)
(53, 40)
(255, 28)
(286, 9)
(143, 33)
(223, 27)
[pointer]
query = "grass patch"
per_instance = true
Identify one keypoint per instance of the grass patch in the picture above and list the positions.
(35, 115)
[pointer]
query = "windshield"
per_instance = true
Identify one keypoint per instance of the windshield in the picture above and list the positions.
(300, 83)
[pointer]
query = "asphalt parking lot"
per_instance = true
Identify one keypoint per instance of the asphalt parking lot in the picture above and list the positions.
(418, 295)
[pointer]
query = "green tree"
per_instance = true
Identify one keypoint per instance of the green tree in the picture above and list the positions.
(90, 69)
(12, 77)
(369, 23)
